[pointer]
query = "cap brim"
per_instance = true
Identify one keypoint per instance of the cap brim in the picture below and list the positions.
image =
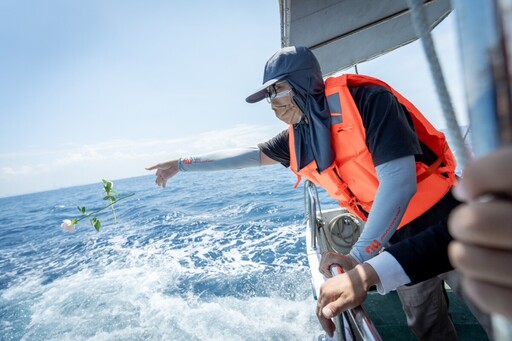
(260, 94)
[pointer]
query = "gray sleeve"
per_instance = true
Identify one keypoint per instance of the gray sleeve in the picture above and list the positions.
(222, 160)
(397, 185)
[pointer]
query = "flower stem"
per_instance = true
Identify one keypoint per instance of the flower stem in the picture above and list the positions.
(101, 209)
(114, 214)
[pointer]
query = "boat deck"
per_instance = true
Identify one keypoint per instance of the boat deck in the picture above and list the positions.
(393, 326)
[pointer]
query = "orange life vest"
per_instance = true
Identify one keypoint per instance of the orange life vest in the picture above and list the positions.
(352, 178)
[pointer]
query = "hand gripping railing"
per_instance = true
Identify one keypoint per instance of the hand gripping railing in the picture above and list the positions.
(358, 316)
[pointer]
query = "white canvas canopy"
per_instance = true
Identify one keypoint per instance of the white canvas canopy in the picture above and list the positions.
(342, 33)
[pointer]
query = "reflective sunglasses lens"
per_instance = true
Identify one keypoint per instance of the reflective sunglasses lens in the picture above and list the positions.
(282, 98)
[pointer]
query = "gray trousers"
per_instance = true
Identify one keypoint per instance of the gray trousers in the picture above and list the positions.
(426, 308)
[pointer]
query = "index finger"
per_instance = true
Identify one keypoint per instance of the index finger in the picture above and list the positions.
(153, 167)
(489, 174)
(326, 323)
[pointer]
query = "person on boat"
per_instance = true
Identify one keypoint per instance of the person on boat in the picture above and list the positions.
(370, 149)
(481, 251)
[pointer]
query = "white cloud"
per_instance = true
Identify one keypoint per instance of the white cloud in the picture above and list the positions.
(36, 170)
(23, 170)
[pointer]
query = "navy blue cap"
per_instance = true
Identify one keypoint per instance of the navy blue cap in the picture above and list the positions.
(282, 64)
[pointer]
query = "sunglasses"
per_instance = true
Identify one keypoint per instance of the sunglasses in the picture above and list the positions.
(274, 96)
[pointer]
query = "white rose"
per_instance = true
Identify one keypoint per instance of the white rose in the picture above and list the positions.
(67, 225)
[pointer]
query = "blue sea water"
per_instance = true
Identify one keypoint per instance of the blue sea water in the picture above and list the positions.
(214, 256)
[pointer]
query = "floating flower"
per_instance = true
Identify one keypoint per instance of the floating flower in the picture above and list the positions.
(68, 225)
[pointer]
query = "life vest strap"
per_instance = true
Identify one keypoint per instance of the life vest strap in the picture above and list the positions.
(299, 179)
(356, 206)
(433, 167)
(342, 189)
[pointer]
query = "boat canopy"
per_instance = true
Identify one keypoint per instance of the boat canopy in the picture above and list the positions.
(342, 33)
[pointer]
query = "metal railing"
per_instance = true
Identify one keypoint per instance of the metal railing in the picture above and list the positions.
(358, 316)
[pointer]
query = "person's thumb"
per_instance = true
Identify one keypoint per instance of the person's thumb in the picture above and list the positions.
(332, 309)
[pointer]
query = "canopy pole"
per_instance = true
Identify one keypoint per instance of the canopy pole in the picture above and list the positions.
(455, 138)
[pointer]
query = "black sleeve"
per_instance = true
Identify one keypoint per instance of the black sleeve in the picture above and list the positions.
(389, 128)
(277, 148)
(424, 255)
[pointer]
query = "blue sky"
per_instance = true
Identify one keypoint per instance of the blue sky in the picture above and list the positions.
(100, 89)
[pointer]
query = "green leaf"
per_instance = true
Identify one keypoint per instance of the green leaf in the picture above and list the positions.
(96, 223)
(109, 197)
(107, 186)
(81, 209)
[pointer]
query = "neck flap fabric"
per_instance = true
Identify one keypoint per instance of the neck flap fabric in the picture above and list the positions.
(313, 135)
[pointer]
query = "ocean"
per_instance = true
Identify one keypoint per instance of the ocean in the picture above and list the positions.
(214, 256)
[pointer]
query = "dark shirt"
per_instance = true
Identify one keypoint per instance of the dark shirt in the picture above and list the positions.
(389, 129)
(421, 247)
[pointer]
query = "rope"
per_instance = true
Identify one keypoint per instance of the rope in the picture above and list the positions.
(454, 134)
(342, 232)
